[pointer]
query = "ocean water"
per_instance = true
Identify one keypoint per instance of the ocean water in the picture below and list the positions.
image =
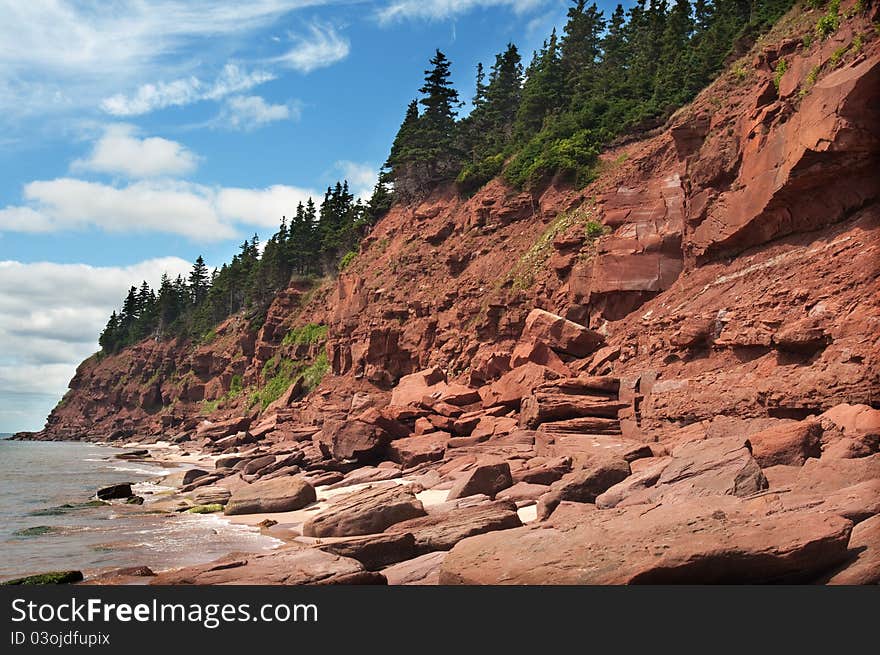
(46, 523)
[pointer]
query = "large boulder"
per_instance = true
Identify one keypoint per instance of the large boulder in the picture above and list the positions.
(375, 551)
(220, 429)
(443, 531)
(367, 511)
(412, 388)
(584, 485)
(691, 541)
(560, 334)
(284, 494)
(513, 386)
(700, 468)
(114, 491)
(487, 478)
(417, 450)
(351, 439)
(788, 443)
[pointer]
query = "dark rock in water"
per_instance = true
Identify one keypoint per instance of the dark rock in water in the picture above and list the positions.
(134, 500)
(54, 577)
(134, 454)
(114, 491)
(67, 507)
(34, 531)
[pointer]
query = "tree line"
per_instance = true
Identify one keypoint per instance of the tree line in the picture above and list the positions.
(311, 243)
(601, 78)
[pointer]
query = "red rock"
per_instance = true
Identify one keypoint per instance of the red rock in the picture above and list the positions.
(412, 388)
(703, 468)
(374, 551)
(441, 531)
(584, 485)
(220, 429)
(487, 478)
(366, 474)
(864, 566)
(636, 483)
(351, 439)
(291, 566)
(823, 476)
(538, 352)
(494, 426)
(459, 395)
(543, 471)
(279, 495)
(853, 419)
(804, 336)
(789, 443)
(523, 491)
(417, 450)
(560, 334)
(422, 570)
(368, 511)
(707, 540)
(511, 387)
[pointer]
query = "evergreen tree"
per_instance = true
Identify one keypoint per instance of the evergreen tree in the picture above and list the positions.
(198, 281)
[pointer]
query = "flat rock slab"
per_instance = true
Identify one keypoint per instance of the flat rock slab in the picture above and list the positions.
(367, 511)
(443, 531)
(692, 541)
(292, 566)
(422, 570)
(285, 494)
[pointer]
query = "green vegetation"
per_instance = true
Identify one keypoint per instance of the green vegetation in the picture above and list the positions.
(205, 509)
(829, 23)
(602, 77)
(34, 531)
(315, 372)
(307, 334)
(524, 271)
(55, 577)
(347, 259)
(781, 67)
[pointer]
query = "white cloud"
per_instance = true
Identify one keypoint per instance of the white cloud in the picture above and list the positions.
(247, 113)
(263, 207)
(361, 177)
(442, 9)
(50, 319)
(150, 97)
(121, 151)
(198, 212)
(321, 47)
(56, 55)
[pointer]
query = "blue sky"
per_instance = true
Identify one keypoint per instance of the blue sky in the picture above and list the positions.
(135, 136)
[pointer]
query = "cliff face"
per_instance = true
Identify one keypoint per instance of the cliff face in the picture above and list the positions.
(729, 263)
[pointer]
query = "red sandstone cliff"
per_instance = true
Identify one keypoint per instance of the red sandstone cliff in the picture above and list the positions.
(737, 274)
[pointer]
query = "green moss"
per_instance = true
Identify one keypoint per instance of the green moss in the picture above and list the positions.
(209, 336)
(205, 509)
(347, 259)
(307, 334)
(60, 510)
(54, 577)
(781, 67)
(34, 531)
(740, 73)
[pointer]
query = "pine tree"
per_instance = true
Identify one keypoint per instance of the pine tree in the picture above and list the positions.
(198, 281)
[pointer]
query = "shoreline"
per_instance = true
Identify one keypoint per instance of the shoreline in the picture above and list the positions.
(150, 487)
